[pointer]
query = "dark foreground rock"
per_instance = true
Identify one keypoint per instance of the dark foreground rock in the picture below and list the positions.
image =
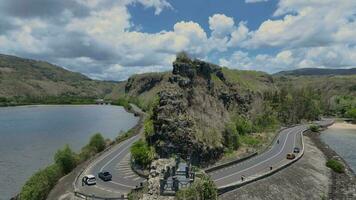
(308, 178)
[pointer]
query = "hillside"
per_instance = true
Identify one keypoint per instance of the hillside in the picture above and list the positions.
(30, 81)
(193, 104)
(317, 72)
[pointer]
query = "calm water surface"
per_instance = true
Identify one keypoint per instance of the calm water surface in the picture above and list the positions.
(30, 135)
(343, 141)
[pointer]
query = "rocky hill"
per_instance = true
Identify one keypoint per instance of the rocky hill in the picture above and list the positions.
(24, 79)
(194, 104)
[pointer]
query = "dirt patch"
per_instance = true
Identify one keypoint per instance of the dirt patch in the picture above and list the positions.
(308, 178)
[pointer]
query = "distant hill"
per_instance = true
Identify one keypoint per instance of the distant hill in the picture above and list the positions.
(317, 72)
(24, 80)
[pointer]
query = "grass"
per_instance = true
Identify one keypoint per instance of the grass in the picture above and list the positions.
(335, 165)
(249, 140)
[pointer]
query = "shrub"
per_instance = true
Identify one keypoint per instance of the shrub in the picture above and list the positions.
(249, 140)
(142, 154)
(314, 128)
(243, 125)
(351, 113)
(148, 127)
(201, 189)
(65, 159)
(40, 184)
(230, 137)
(124, 102)
(335, 165)
(97, 142)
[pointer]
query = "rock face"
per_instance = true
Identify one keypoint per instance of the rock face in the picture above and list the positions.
(193, 111)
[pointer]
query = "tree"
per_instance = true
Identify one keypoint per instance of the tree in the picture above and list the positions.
(97, 142)
(142, 154)
(201, 189)
(65, 159)
(351, 113)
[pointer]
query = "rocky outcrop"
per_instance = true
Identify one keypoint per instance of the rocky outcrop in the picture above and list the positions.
(139, 84)
(193, 111)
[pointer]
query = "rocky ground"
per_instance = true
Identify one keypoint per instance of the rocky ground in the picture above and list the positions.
(308, 178)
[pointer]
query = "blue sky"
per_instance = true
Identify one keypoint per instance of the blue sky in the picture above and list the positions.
(113, 39)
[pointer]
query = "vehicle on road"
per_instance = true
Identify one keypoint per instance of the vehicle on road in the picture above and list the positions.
(105, 176)
(296, 150)
(290, 156)
(89, 179)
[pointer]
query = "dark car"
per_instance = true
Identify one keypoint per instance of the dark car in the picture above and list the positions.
(296, 150)
(105, 176)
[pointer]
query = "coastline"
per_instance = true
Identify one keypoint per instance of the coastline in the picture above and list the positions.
(343, 185)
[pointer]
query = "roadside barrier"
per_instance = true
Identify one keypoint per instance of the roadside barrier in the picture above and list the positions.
(251, 179)
(93, 197)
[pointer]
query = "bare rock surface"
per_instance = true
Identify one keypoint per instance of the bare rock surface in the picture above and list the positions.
(308, 178)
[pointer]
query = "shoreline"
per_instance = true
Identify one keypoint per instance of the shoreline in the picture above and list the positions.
(343, 125)
(343, 185)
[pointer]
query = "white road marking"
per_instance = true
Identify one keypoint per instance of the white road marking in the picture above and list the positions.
(285, 142)
(106, 164)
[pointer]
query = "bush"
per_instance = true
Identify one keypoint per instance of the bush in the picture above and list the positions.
(249, 140)
(335, 165)
(243, 125)
(148, 127)
(40, 184)
(201, 189)
(230, 137)
(142, 154)
(124, 102)
(314, 128)
(65, 159)
(351, 113)
(97, 142)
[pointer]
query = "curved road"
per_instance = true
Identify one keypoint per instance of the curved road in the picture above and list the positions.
(273, 157)
(117, 161)
(288, 139)
(124, 179)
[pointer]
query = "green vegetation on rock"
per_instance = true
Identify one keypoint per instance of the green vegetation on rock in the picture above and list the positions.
(335, 165)
(142, 153)
(202, 188)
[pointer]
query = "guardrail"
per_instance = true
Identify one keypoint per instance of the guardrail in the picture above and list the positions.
(93, 197)
(214, 168)
(223, 165)
(251, 179)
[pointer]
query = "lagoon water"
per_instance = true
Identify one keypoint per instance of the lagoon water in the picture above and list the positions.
(342, 139)
(30, 135)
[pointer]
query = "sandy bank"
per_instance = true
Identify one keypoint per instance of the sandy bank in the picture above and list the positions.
(343, 125)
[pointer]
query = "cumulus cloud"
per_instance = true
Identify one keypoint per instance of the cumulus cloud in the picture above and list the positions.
(99, 39)
(337, 56)
(307, 23)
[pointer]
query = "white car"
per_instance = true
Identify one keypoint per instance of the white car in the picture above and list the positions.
(89, 179)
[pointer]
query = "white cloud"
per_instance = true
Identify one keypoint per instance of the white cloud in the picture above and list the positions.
(307, 23)
(338, 56)
(255, 1)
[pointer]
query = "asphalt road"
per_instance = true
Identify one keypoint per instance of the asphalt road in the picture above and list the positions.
(288, 139)
(124, 179)
(117, 162)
